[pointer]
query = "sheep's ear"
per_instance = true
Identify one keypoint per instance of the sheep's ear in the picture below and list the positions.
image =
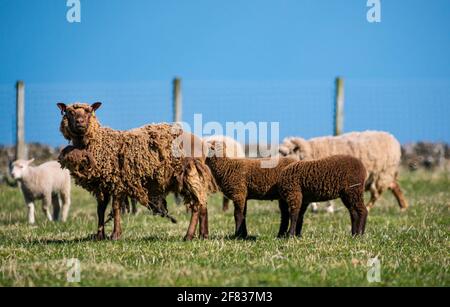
(62, 107)
(211, 148)
(30, 161)
(95, 106)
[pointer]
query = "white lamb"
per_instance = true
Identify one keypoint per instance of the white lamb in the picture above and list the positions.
(48, 182)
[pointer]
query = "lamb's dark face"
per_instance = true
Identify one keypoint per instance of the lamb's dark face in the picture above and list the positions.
(79, 116)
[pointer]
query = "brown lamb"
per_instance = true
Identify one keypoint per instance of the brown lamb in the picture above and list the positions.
(144, 163)
(244, 179)
(379, 151)
(338, 176)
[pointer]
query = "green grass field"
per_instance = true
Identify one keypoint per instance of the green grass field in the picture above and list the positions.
(413, 246)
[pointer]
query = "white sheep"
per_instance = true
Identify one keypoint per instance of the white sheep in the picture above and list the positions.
(233, 149)
(48, 182)
(379, 151)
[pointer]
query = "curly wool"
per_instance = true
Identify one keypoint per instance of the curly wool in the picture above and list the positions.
(338, 176)
(138, 162)
(231, 148)
(323, 179)
(243, 179)
(379, 152)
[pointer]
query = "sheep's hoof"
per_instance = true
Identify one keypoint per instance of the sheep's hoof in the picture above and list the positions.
(240, 236)
(188, 238)
(100, 236)
(115, 236)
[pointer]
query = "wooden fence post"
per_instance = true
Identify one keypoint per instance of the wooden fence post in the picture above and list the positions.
(177, 100)
(21, 152)
(339, 107)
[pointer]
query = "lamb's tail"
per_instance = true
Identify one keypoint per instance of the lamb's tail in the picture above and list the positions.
(196, 181)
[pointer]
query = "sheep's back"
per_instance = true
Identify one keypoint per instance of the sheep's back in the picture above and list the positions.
(52, 175)
(233, 149)
(323, 179)
(379, 151)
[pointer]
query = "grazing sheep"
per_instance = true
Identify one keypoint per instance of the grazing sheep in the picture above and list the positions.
(192, 147)
(48, 182)
(144, 163)
(379, 152)
(244, 179)
(424, 155)
(233, 149)
(334, 177)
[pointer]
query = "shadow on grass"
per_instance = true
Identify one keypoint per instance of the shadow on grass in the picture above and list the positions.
(89, 238)
(177, 238)
(149, 239)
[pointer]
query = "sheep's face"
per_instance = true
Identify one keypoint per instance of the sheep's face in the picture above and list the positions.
(78, 116)
(19, 167)
(216, 149)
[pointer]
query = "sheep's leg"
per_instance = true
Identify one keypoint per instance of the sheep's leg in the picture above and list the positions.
(284, 224)
(245, 220)
(354, 217)
(395, 188)
(315, 207)
(203, 217)
(374, 195)
(294, 200)
(65, 205)
(239, 218)
(362, 213)
(134, 206)
(193, 224)
(56, 206)
(354, 201)
(125, 206)
(117, 230)
(225, 203)
(30, 206)
(101, 208)
(301, 214)
(46, 202)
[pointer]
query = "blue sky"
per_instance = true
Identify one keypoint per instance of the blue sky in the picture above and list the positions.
(261, 60)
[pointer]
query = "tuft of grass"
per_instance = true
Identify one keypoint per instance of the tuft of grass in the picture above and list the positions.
(412, 246)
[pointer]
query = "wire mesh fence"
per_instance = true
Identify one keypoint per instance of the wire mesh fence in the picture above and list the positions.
(411, 110)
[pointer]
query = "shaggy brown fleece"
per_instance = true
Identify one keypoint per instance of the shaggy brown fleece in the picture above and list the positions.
(334, 177)
(144, 163)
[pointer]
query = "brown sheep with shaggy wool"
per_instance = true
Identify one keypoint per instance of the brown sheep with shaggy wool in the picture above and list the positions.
(144, 163)
(326, 179)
